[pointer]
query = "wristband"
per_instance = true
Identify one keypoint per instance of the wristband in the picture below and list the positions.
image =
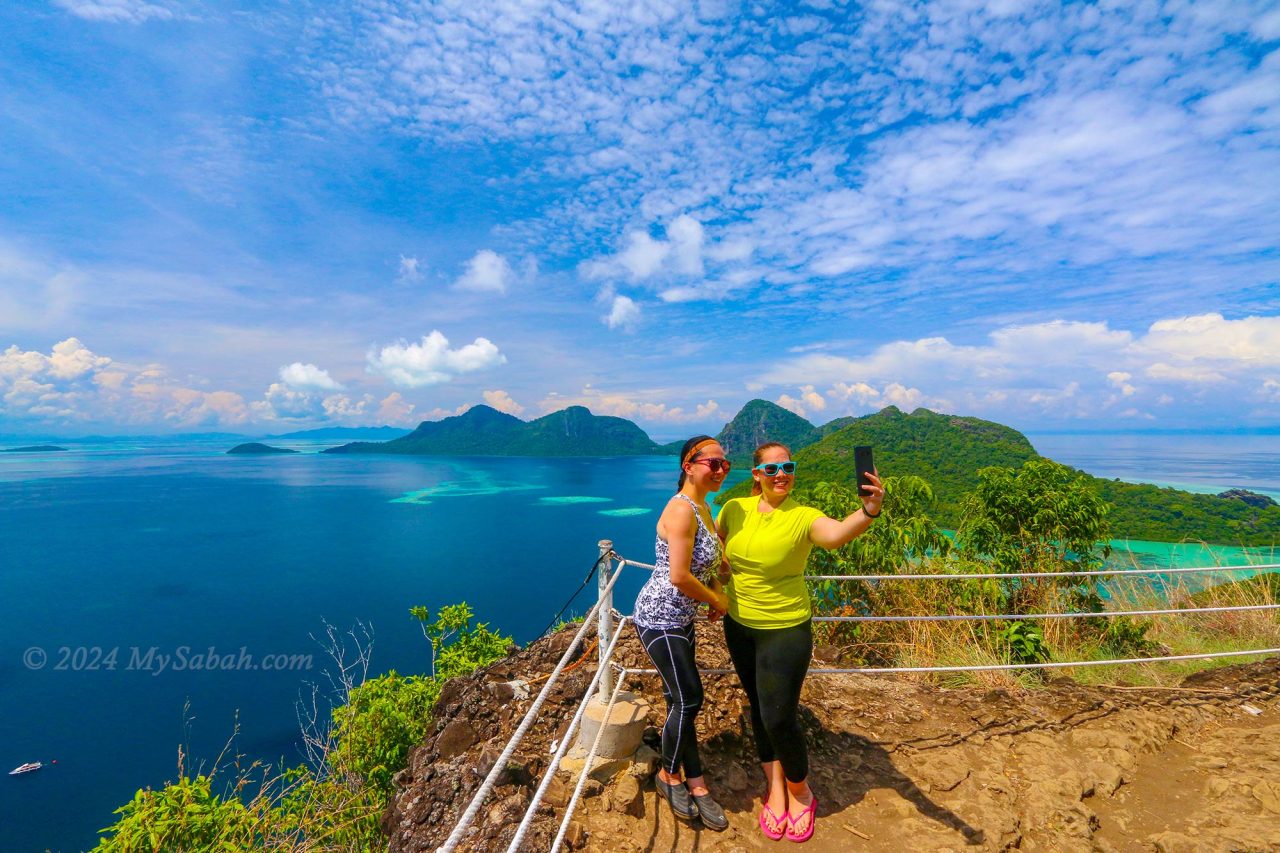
(869, 515)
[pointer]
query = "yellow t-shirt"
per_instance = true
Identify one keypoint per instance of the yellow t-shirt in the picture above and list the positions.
(767, 552)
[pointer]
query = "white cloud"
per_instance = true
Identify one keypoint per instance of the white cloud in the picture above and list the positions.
(860, 393)
(1192, 373)
(486, 272)
(116, 11)
(409, 271)
(394, 410)
(706, 410)
(623, 313)
(1213, 338)
(343, 409)
(685, 234)
(791, 404)
(280, 402)
(432, 362)
(68, 360)
(439, 413)
(502, 401)
(1099, 152)
(641, 406)
(808, 402)
(307, 377)
(1120, 380)
(72, 385)
(1058, 368)
(643, 257)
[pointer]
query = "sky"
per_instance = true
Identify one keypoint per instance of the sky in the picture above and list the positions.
(257, 218)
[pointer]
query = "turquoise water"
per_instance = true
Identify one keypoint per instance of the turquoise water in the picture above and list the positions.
(162, 547)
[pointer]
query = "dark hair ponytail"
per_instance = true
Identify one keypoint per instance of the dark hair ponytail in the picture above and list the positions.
(686, 457)
(758, 455)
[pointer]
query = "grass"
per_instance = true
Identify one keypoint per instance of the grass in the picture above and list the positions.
(967, 643)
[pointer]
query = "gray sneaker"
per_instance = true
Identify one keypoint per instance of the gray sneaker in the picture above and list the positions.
(679, 797)
(710, 812)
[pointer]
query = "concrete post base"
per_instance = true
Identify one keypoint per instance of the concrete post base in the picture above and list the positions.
(620, 739)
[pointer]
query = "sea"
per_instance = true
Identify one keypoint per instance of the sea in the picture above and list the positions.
(162, 598)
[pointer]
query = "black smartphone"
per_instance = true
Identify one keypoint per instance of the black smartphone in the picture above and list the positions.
(863, 465)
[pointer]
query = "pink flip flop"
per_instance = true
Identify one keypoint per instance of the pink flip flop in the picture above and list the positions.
(779, 822)
(812, 811)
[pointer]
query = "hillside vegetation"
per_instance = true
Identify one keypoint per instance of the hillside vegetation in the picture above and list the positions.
(945, 450)
(948, 451)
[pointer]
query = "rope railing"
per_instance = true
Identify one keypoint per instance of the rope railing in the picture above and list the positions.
(992, 667)
(486, 787)
(611, 676)
(978, 617)
(591, 757)
(563, 747)
(1009, 575)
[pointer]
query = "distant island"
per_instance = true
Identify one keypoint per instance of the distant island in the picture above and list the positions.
(947, 451)
(254, 448)
(484, 431)
(35, 448)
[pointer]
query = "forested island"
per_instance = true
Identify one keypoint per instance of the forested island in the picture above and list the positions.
(34, 448)
(484, 431)
(254, 448)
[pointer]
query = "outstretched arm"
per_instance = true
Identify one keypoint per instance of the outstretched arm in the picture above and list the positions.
(829, 533)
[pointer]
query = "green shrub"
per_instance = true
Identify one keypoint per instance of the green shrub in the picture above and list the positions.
(336, 806)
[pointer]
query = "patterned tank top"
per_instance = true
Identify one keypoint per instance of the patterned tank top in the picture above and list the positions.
(659, 604)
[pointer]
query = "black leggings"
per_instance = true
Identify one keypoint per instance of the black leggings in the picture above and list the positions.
(671, 650)
(771, 664)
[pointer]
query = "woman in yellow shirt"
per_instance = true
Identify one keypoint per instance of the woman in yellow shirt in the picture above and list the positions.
(768, 629)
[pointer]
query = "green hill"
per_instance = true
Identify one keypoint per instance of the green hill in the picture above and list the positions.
(1143, 511)
(760, 421)
(945, 450)
(484, 431)
(948, 450)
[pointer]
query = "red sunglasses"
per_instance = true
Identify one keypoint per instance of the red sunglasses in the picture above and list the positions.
(715, 464)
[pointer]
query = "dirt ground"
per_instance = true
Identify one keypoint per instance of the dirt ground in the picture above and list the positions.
(896, 765)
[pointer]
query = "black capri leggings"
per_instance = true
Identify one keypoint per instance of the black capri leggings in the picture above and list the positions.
(671, 650)
(771, 664)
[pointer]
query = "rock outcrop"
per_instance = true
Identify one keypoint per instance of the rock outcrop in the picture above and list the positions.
(897, 764)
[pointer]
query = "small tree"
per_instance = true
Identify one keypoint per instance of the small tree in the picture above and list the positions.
(903, 535)
(1038, 518)
(458, 647)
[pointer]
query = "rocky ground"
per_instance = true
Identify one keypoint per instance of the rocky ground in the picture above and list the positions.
(897, 765)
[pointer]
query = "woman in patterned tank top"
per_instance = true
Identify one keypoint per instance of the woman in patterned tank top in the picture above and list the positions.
(689, 560)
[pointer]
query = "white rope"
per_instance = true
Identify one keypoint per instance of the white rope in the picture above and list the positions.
(564, 746)
(1002, 576)
(586, 768)
(960, 617)
(992, 667)
(487, 785)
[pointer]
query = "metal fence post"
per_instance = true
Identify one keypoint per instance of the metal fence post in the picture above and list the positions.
(604, 631)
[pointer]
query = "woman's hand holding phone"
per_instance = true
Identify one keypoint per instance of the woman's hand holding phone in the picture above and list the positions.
(874, 498)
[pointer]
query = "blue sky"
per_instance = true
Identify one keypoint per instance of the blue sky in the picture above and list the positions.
(263, 218)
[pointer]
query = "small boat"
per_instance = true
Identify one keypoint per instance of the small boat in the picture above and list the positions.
(26, 768)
